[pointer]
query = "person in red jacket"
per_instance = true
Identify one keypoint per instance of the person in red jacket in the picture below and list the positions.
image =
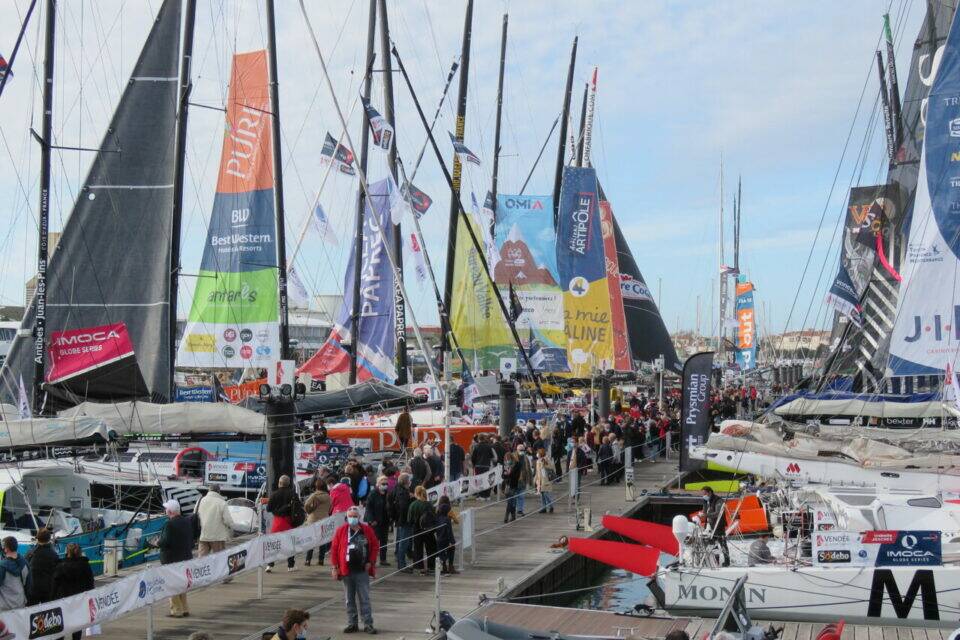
(353, 554)
(341, 498)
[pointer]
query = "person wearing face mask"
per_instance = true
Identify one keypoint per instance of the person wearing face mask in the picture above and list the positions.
(353, 554)
(377, 516)
(293, 626)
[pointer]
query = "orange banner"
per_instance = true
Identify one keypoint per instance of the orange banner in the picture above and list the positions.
(246, 162)
(621, 344)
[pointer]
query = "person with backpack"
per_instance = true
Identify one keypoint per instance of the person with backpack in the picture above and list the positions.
(176, 545)
(424, 519)
(543, 479)
(14, 577)
(353, 554)
(398, 506)
(73, 575)
(377, 515)
(287, 512)
(43, 561)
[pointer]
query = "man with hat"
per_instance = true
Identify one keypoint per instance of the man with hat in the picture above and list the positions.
(176, 545)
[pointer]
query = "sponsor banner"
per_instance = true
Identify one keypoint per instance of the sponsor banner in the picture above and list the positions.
(878, 548)
(77, 351)
(583, 275)
(242, 474)
(193, 394)
(526, 251)
(746, 353)
(377, 346)
(234, 319)
(926, 334)
(695, 410)
(468, 485)
(621, 346)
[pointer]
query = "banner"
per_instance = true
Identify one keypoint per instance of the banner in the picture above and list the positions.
(77, 351)
(235, 316)
(877, 548)
(746, 353)
(377, 348)
(621, 346)
(527, 263)
(193, 394)
(583, 276)
(926, 334)
(695, 410)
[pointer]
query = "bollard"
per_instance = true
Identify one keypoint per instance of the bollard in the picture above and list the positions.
(436, 581)
(150, 622)
(260, 582)
(628, 473)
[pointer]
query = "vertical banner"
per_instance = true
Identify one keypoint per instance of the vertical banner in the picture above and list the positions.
(583, 277)
(621, 346)
(695, 411)
(746, 327)
(527, 259)
(377, 348)
(234, 319)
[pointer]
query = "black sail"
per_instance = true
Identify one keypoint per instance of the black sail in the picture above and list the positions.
(113, 260)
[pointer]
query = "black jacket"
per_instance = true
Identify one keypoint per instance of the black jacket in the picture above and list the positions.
(513, 476)
(482, 456)
(398, 503)
(457, 456)
(579, 426)
(420, 470)
(376, 511)
(280, 500)
(72, 576)
(605, 454)
(176, 541)
(436, 467)
(43, 562)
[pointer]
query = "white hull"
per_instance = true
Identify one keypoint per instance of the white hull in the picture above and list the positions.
(915, 596)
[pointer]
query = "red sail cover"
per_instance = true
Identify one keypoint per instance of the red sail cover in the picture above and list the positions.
(621, 347)
(77, 351)
(658, 536)
(632, 557)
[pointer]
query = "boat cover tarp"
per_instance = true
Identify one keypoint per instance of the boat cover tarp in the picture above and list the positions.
(40, 432)
(920, 405)
(372, 394)
(135, 418)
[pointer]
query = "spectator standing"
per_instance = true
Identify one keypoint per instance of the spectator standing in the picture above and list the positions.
(423, 517)
(287, 512)
(176, 545)
(404, 429)
(419, 468)
(446, 541)
(43, 561)
(511, 481)
(353, 554)
(543, 482)
(14, 577)
(317, 507)
(73, 575)
(457, 457)
(216, 524)
(377, 516)
(399, 506)
(557, 452)
(293, 626)
(526, 478)
(341, 498)
(604, 461)
(483, 458)
(436, 466)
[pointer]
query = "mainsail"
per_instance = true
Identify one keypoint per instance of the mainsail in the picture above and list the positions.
(113, 260)
(234, 319)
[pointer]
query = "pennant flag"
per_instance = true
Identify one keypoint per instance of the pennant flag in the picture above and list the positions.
(727, 271)
(516, 308)
(298, 292)
(461, 150)
(4, 67)
(419, 201)
(322, 223)
(381, 129)
(952, 377)
(219, 393)
(339, 155)
(398, 206)
(536, 355)
(419, 261)
(470, 389)
(23, 404)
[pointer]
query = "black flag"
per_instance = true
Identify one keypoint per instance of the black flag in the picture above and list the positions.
(516, 308)
(695, 412)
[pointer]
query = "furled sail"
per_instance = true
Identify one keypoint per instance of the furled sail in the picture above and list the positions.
(112, 263)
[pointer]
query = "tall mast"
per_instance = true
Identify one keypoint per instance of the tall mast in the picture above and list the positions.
(721, 294)
(278, 184)
(583, 125)
(591, 110)
(895, 107)
(564, 118)
(40, 321)
(388, 113)
(457, 171)
(358, 250)
(179, 163)
(736, 229)
(496, 130)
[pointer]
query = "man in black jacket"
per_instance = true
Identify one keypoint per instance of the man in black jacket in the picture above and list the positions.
(457, 457)
(398, 505)
(43, 561)
(578, 426)
(377, 515)
(482, 458)
(176, 545)
(419, 468)
(436, 466)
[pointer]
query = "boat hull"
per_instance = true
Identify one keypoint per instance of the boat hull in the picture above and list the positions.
(911, 596)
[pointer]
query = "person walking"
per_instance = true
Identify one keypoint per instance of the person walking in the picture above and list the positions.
(317, 507)
(419, 468)
(43, 561)
(482, 457)
(543, 482)
(399, 506)
(341, 497)
(457, 457)
(73, 575)
(558, 452)
(14, 577)
(287, 512)
(293, 625)
(353, 554)
(511, 481)
(604, 461)
(423, 517)
(377, 515)
(526, 478)
(446, 540)
(176, 545)
(216, 524)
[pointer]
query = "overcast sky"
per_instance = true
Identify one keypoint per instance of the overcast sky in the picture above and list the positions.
(773, 87)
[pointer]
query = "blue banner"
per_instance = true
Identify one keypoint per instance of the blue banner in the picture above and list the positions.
(746, 353)
(193, 394)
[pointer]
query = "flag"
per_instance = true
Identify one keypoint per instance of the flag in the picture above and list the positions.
(419, 201)
(219, 393)
(381, 129)
(952, 376)
(322, 223)
(461, 150)
(536, 355)
(470, 389)
(419, 261)
(516, 308)
(398, 206)
(487, 219)
(339, 155)
(4, 67)
(727, 271)
(23, 404)
(298, 292)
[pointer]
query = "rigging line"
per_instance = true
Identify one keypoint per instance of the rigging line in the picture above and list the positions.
(16, 46)
(543, 148)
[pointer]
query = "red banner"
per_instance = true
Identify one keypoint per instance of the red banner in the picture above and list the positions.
(621, 349)
(77, 351)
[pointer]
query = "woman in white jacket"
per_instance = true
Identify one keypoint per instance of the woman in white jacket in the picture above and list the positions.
(216, 524)
(543, 481)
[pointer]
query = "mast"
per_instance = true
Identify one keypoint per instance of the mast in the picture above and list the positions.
(583, 125)
(457, 171)
(400, 323)
(496, 131)
(364, 144)
(40, 322)
(887, 115)
(564, 118)
(179, 163)
(587, 136)
(895, 107)
(721, 293)
(736, 229)
(278, 183)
